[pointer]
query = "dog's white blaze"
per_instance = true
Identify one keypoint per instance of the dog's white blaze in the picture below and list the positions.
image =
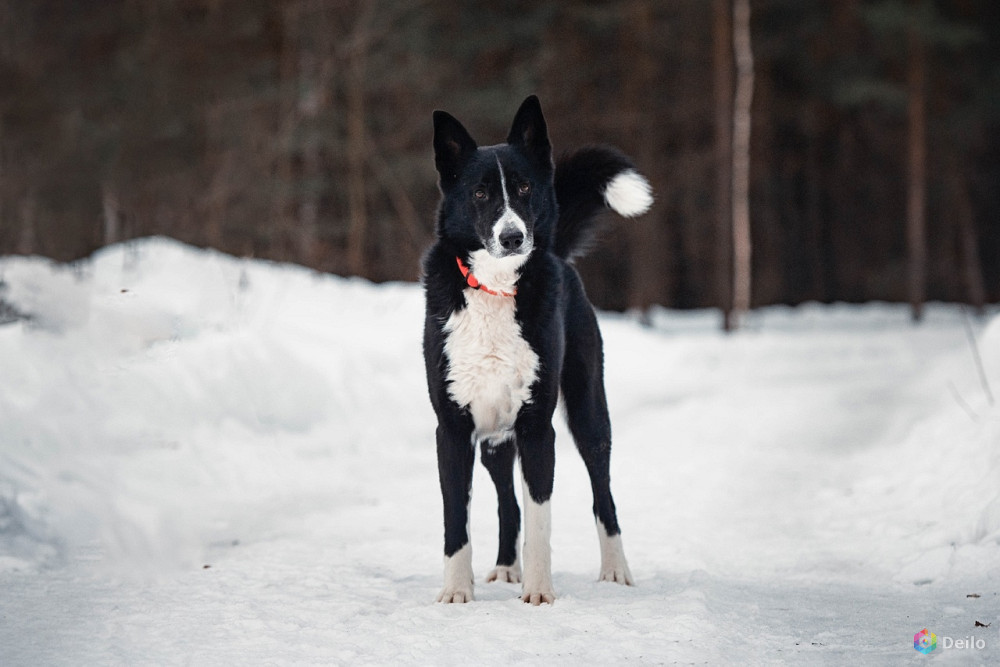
(537, 551)
(490, 366)
(458, 577)
(614, 567)
(503, 185)
(629, 194)
(508, 218)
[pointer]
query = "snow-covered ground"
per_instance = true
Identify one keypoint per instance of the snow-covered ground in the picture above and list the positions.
(208, 460)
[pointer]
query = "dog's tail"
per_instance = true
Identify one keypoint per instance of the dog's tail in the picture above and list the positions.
(587, 182)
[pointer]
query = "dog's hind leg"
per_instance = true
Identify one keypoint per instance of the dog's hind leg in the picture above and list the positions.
(499, 461)
(592, 435)
(456, 457)
(587, 414)
(614, 566)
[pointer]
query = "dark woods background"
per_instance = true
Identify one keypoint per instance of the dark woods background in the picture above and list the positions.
(299, 130)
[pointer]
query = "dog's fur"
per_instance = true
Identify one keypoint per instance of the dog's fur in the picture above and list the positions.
(500, 344)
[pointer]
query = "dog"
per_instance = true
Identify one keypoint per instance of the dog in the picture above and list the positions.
(508, 326)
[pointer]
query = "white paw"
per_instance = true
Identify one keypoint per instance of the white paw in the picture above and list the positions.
(537, 597)
(459, 595)
(618, 573)
(509, 573)
(458, 578)
(614, 567)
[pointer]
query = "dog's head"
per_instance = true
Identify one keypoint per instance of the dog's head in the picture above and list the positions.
(498, 201)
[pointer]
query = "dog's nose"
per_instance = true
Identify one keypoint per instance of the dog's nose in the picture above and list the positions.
(511, 239)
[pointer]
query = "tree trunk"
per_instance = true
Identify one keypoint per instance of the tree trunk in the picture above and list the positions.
(968, 243)
(27, 240)
(316, 70)
(112, 215)
(916, 200)
(741, 159)
(219, 159)
(356, 149)
(648, 267)
(3, 175)
(402, 205)
(722, 33)
(311, 93)
(283, 214)
(816, 238)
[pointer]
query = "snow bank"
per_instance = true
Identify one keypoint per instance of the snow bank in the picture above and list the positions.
(145, 392)
(819, 486)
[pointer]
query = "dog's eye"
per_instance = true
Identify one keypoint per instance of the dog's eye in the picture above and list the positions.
(479, 194)
(524, 188)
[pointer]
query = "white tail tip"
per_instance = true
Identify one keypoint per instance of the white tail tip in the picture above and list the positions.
(629, 194)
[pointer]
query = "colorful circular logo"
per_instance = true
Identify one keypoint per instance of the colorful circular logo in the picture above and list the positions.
(925, 641)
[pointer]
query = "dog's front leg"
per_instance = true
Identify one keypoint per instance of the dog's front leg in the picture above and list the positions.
(536, 445)
(456, 456)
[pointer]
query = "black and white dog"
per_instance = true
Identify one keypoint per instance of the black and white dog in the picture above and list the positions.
(508, 326)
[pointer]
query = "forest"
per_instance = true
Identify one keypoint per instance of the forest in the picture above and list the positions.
(853, 145)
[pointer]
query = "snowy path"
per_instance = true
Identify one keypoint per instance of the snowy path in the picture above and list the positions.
(813, 490)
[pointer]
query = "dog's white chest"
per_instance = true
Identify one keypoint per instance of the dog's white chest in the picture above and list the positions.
(490, 366)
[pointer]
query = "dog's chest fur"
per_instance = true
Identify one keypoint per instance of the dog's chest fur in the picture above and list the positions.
(490, 366)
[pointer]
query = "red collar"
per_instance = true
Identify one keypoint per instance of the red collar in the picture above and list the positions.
(475, 284)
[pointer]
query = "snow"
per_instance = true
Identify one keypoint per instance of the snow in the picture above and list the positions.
(210, 460)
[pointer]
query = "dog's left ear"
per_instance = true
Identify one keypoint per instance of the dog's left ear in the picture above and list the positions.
(529, 133)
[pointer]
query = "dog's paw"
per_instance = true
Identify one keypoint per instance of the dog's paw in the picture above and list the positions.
(538, 597)
(458, 577)
(619, 574)
(451, 594)
(508, 573)
(614, 567)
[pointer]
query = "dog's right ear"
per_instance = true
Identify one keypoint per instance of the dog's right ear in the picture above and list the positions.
(452, 147)
(529, 133)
